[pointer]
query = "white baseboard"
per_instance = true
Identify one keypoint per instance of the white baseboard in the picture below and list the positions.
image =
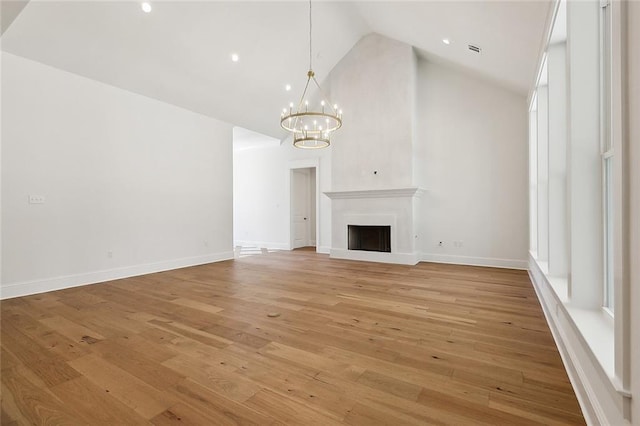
(375, 256)
(25, 288)
(262, 244)
(599, 399)
(475, 261)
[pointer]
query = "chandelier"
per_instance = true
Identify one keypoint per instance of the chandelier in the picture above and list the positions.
(311, 128)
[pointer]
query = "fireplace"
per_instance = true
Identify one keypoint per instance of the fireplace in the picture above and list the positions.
(369, 238)
(376, 225)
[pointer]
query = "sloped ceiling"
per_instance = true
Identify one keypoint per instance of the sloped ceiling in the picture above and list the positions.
(180, 52)
(9, 9)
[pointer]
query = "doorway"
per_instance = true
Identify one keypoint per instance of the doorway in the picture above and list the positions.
(303, 207)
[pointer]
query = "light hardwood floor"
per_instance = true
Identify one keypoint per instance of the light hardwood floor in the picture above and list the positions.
(355, 343)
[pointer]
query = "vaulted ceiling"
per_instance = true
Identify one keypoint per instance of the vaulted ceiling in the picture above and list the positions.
(180, 52)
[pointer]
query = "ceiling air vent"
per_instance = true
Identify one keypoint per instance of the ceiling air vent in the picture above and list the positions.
(475, 49)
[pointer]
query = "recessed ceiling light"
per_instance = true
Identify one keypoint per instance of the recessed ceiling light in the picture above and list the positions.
(287, 87)
(235, 57)
(446, 41)
(146, 7)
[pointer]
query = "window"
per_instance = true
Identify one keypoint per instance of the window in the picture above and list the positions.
(607, 168)
(592, 316)
(607, 156)
(533, 177)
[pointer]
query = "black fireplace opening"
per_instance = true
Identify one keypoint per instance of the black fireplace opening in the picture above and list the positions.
(369, 238)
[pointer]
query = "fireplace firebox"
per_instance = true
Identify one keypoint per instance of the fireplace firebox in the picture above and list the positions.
(369, 238)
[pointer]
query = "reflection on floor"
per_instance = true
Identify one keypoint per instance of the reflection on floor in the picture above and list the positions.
(246, 251)
(240, 251)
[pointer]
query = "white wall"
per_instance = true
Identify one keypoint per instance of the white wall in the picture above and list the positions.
(121, 173)
(474, 136)
(374, 85)
(261, 182)
(260, 198)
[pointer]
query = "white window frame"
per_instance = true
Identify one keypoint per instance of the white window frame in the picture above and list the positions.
(607, 164)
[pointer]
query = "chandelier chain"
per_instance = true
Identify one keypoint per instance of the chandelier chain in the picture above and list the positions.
(310, 28)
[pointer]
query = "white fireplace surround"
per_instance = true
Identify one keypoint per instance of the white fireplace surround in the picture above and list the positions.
(377, 207)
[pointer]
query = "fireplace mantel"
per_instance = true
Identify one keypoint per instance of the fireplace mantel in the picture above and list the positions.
(376, 193)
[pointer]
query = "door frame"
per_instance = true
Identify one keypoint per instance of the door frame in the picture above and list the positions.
(309, 163)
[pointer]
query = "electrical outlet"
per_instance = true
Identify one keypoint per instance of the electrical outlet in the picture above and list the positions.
(36, 199)
(109, 254)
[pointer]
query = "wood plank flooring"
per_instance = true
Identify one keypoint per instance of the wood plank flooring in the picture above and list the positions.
(355, 343)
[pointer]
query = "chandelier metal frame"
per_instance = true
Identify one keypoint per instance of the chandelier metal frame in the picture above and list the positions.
(311, 129)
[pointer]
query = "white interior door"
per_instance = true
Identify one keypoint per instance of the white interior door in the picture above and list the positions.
(300, 207)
